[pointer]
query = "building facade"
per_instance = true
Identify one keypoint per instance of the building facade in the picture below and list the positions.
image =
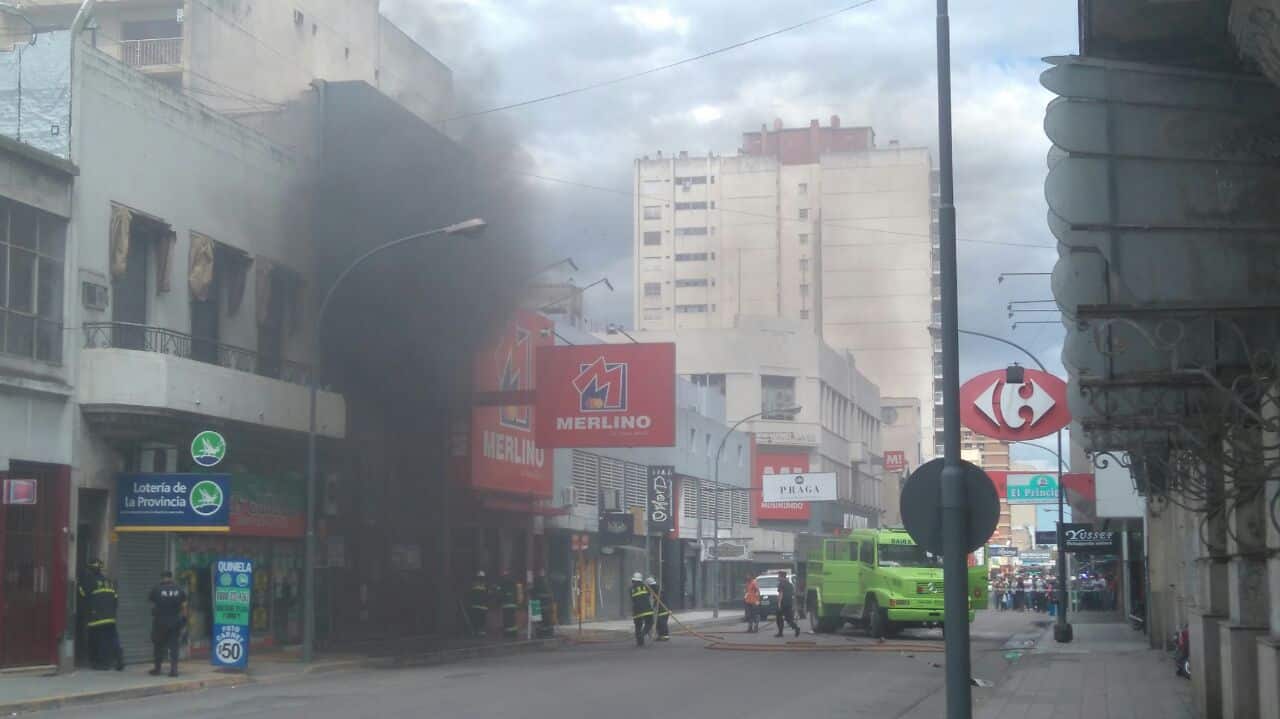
(815, 225)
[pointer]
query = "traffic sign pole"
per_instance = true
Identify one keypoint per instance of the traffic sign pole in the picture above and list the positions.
(955, 566)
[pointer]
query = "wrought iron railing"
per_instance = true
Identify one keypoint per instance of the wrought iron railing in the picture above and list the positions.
(131, 336)
(151, 52)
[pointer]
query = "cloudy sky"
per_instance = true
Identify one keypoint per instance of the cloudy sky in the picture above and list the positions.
(874, 65)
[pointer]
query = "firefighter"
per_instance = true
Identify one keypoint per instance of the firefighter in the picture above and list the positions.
(661, 610)
(478, 600)
(641, 608)
(509, 596)
(101, 601)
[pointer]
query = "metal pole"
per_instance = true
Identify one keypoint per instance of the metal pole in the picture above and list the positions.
(313, 380)
(1062, 631)
(954, 520)
(715, 497)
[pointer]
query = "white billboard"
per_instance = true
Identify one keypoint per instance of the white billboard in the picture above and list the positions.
(807, 487)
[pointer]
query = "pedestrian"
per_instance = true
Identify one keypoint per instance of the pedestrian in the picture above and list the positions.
(100, 604)
(786, 604)
(660, 610)
(751, 598)
(509, 596)
(168, 615)
(641, 608)
(478, 597)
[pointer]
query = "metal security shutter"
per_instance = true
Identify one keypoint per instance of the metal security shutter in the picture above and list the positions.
(586, 478)
(141, 557)
(637, 476)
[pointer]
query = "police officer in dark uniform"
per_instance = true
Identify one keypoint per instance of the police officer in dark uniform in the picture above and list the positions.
(168, 615)
(509, 596)
(100, 602)
(641, 608)
(660, 610)
(478, 597)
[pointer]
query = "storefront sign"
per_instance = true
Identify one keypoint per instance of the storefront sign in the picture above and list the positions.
(661, 518)
(1003, 551)
(232, 612)
(726, 550)
(993, 407)
(769, 464)
(208, 448)
(173, 503)
(20, 491)
(616, 528)
(264, 507)
(895, 460)
(803, 487)
(1031, 488)
(1047, 537)
(1037, 558)
(1084, 539)
(607, 395)
(504, 454)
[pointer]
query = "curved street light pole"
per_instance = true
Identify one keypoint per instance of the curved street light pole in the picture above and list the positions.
(793, 411)
(313, 387)
(1062, 631)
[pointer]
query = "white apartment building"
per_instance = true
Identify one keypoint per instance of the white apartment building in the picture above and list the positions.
(766, 365)
(814, 225)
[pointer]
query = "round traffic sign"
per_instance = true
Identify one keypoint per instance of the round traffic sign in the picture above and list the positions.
(922, 506)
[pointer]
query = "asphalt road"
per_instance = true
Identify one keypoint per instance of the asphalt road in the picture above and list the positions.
(616, 681)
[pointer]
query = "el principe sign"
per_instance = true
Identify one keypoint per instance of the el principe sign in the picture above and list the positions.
(606, 396)
(173, 503)
(1031, 488)
(807, 487)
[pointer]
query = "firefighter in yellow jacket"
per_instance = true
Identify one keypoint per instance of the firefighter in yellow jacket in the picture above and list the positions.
(99, 603)
(641, 608)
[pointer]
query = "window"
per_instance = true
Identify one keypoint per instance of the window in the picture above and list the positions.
(691, 230)
(652, 314)
(702, 282)
(804, 238)
(692, 180)
(840, 551)
(653, 289)
(804, 213)
(804, 265)
(866, 553)
(691, 256)
(804, 290)
(713, 204)
(708, 444)
(803, 189)
(693, 440)
(777, 393)
(691, 206)
(653, 212)
(32, 247)
(653, 238)
(690, 309)
(804, 314)
(714, 381)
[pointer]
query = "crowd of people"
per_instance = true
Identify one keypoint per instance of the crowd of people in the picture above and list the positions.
(1035, 592)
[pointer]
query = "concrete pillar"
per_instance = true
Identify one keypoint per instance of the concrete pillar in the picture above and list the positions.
(1210, 634)
(1268, 645)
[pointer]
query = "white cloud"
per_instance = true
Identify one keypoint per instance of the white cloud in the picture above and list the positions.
(703, 114)
(652, 19)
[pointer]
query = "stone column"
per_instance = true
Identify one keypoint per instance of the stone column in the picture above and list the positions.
(1209, 611)
(1268, 645)
(1246, 578)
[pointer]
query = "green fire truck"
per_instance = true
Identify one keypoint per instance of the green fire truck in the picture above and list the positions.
(878, 579)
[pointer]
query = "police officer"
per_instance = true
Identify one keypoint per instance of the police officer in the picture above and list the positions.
(786, 604)
(641, 608)
(168, 615)
(661, 610)
(98, 593)
(478, 597)
(509, 596)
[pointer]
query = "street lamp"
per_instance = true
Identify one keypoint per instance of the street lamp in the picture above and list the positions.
(465, 227)
(1062, 631)
(791, 413)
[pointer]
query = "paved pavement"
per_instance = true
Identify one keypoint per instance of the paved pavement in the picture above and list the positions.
(839, 675)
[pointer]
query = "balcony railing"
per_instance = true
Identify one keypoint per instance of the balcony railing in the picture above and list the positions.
(151, 52)
(130, 336)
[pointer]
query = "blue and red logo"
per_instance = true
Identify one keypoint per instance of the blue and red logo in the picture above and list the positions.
(601, 386)
(515, 372)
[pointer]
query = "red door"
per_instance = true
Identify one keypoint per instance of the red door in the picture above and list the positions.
(33, 565)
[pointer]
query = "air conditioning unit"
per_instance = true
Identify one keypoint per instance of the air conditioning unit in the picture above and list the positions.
(93, 295)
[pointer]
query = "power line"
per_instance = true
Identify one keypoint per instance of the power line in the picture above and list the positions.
(660, 68)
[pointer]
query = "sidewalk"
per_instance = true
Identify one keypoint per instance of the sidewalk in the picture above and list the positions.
(23, 692)
(1107, 672)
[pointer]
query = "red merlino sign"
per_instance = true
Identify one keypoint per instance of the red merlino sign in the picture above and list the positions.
(607, 396)
(995, 408)
(778, 463)
(895, 460)
(504, 454)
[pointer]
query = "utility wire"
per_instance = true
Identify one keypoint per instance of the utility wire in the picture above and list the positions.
(661, 68)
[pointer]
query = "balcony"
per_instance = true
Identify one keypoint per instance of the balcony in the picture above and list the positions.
(151, 370)
(153, 55)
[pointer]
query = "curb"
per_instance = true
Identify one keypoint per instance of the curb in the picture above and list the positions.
(71, 700)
